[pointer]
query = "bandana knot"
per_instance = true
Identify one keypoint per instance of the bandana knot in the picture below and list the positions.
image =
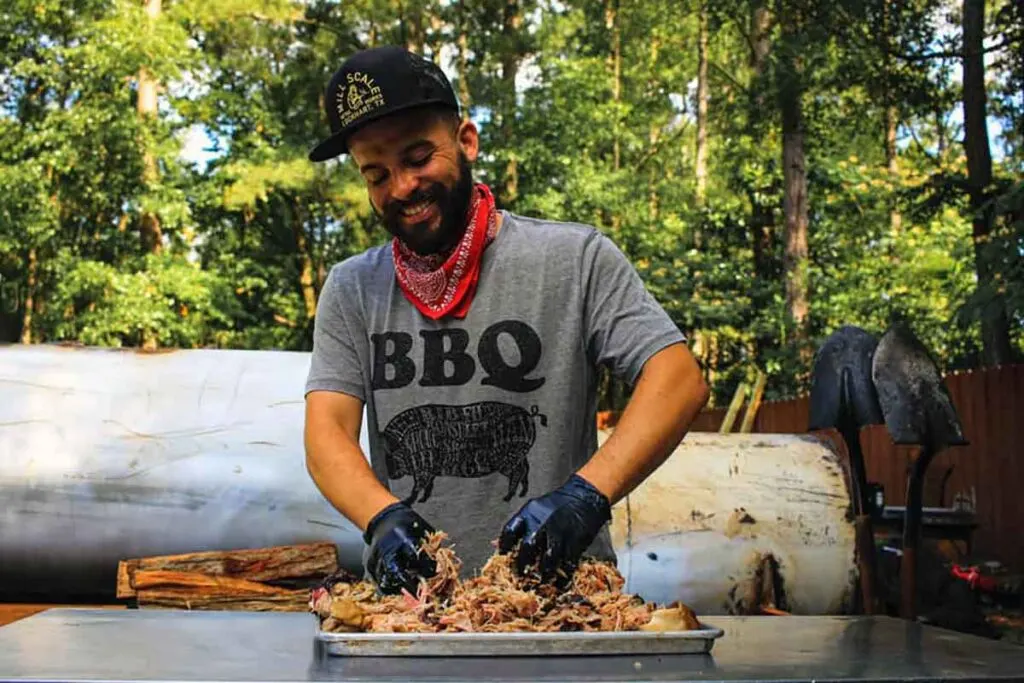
(439, 285)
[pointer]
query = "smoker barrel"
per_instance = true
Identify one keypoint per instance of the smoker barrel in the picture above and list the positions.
(732, 519)
(112, 454)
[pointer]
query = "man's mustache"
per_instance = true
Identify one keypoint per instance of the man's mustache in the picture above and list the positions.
(394, 208)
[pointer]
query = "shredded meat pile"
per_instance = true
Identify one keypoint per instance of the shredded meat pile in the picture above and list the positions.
(496, 600)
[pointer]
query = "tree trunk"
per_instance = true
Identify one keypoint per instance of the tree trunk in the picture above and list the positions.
(463, 58)
(760, 40)
(994, 324)
(612, 23)
(321, 254)
(611, 16)
(511, 57)
(891, 117)
(149, 227)
(413, 21)
(762, 229)
(30, 295)
(147, 108)
(436, 38)
(306, 280)
(652, 180)
(701, 163)
(654, 174)
(892, 164)
(794, 202)
(794, 206)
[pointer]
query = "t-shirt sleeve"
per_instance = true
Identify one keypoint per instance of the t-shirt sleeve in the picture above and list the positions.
(337, 337)
(625, 326)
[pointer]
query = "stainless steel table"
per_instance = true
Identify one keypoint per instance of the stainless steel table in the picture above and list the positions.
(246, 647)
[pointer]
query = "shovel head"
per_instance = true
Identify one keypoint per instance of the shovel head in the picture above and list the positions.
(847, 352)
(915, 403)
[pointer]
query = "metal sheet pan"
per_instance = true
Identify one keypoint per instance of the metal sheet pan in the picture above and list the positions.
(519, 644)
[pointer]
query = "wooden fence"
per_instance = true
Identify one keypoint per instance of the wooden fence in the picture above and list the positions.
(989, 471)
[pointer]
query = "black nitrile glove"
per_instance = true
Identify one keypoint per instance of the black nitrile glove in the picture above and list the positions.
(556, 528)
(395, 561)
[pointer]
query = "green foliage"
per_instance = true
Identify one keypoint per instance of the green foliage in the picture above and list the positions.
(255, 182)
(166, 299)
(601, 128)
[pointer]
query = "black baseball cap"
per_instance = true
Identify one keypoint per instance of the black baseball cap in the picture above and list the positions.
(375, 83)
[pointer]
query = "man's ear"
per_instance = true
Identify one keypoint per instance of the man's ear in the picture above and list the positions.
(469, 139)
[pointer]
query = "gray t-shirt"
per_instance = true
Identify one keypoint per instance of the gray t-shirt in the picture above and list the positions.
(468, 419)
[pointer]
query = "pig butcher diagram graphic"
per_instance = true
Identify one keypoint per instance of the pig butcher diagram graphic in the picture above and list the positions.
(468, 441)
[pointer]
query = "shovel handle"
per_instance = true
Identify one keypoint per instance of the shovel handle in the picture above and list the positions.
(865, 544)
(858, 470)
(912, 535)
(908, 592)
(865, 537)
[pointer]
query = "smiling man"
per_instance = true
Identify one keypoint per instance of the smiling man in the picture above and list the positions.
(473, 339)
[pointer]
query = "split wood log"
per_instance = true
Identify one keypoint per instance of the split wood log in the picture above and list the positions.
(754, 404)
(312, 560)
(214, 600)
(204, 583)
(734, 409)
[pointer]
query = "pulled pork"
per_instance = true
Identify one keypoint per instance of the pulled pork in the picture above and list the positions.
(496, 600)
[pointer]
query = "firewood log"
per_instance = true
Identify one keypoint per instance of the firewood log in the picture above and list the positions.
(159, 578)
(207, 599)
(280, 563)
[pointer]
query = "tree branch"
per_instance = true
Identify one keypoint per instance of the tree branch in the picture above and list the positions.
(728, 76)
(925, 56)
(955, 54)
(935, 161)
(657, 147)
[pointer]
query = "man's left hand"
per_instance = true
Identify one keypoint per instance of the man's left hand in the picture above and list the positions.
(556, 528)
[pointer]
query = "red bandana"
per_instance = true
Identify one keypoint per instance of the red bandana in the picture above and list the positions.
(439, 285)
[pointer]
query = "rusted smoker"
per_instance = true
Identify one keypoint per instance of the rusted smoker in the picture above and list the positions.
(108, 454)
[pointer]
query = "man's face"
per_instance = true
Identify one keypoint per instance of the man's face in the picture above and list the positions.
(418, 175)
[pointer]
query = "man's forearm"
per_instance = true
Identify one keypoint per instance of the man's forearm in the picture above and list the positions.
(669, 394)
(339, 469)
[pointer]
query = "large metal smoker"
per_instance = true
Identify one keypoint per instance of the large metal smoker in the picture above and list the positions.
(107, 455)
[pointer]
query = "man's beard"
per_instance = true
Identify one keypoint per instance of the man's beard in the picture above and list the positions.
(452, 205)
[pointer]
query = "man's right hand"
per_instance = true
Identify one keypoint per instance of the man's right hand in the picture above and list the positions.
(395, 535)
(342, 472)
